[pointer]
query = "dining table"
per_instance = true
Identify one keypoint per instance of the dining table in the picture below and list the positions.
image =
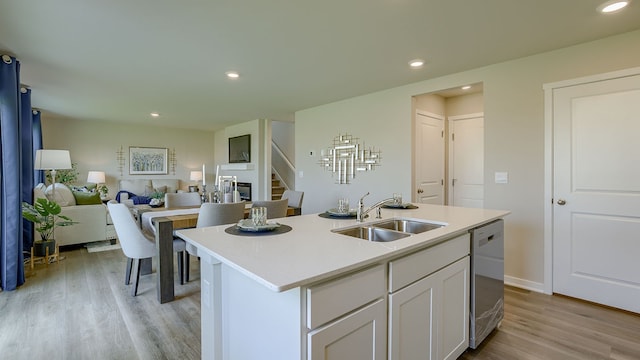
(161, 223)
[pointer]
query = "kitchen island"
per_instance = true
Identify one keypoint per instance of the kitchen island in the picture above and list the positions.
(311, 292)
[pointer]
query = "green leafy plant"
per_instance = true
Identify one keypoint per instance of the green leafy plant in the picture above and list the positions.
(45, 214)
(65, 176)
(157, 195)
(103, 190)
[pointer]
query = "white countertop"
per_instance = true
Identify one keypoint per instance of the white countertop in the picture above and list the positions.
(310, 252)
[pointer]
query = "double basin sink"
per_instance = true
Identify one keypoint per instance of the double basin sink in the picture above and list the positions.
(389, 229)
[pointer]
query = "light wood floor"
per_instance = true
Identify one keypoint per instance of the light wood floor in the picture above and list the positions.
(81, 309)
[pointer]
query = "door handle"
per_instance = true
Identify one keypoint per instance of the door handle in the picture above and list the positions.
(420, 191)
(561, 202)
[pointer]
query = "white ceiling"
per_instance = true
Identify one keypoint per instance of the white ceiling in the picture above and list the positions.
(119, 60)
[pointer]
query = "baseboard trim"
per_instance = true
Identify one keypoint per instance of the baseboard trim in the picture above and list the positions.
(524, 284)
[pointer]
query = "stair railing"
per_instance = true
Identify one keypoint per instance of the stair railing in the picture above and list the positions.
(282, 167)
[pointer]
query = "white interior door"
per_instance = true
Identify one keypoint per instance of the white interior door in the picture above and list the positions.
(596, 191)
(429, 158)
(466, 160)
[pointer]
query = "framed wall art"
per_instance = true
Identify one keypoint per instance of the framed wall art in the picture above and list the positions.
(240, 149)
(148, 161)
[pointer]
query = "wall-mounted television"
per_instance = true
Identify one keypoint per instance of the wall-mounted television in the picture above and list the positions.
(240, 149)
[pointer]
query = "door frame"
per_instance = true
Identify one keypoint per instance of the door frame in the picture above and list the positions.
(548, 160)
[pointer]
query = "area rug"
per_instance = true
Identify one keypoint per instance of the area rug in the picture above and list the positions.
(101, 246)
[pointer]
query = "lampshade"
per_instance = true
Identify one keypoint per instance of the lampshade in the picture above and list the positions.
(52, 160)
(196, 175)
(96, 177)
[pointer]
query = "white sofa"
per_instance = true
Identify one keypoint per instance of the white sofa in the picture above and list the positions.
(93, 221)
(144, 187)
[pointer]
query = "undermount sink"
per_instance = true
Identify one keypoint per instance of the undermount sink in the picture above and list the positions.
(388, 230)
(371, 233)
(407, 225)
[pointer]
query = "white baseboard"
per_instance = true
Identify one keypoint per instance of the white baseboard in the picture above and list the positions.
(524, 284)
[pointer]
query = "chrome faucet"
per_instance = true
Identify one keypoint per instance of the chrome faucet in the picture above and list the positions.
(362, 214)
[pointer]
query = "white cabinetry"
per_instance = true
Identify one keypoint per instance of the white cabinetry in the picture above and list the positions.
(359, 336)
(347, 317)
(429, 302)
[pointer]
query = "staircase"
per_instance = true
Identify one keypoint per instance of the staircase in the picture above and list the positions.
(276, 189)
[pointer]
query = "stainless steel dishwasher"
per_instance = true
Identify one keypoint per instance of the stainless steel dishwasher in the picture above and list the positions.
(487, 281)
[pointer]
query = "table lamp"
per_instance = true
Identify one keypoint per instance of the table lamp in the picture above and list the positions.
(196, 176)
(96, 177)
(52, 160)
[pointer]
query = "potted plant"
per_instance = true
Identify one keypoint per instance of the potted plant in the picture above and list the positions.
(103, 190)
(45, 214)
(157, 199)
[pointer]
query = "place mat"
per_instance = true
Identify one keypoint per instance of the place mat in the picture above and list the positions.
(234, 230)
(326, 215)
(401, 207)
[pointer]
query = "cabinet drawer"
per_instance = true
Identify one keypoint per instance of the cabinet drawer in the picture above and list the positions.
(327, 301)
(411, 268)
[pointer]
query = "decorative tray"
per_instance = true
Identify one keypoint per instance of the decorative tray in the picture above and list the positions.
(247, 225)
(335, 212)
(400, 206)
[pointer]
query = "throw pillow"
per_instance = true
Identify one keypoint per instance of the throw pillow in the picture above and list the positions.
(87, 198)
(64, 196)
(148, 190)
(161, 189)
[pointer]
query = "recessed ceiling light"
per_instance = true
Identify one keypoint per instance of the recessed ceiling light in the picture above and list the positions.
(613, 6)
(466, 87)
(416, 63)
(232, 74)
(154, 114)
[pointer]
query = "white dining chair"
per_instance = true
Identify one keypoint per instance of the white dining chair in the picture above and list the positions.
(174, 200)
(295, 200)
(275, 208)
(212, 214)
(137, 245)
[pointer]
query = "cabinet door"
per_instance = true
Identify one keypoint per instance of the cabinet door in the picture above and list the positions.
(453, 324)
(412, 322)
(356, 336)
(429, 319)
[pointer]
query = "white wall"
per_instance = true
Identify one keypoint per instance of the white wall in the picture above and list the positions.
(283, 134)
(93, 146)
(260, 166)
(514, 139)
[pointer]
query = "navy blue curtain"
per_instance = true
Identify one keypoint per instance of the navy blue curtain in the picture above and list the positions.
(38, 175)
(11, 257)
(26, 135)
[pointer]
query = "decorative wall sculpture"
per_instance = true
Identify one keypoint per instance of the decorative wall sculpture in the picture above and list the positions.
(346, 157)
(173, 160)
(120, 159)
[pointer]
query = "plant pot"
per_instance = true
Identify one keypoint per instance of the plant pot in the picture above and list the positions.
(40, 247)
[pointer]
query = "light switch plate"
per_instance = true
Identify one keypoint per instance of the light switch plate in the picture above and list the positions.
(502, 177)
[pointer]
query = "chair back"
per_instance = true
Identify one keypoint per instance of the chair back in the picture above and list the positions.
(133, 242)
(212, 214)
(294, 197)
(173, 200)
(275, 208)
